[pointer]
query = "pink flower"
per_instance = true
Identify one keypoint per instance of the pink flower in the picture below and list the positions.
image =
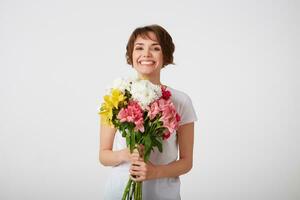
(166, 134)
(162, 103)
(178, 118)
(165, 93)
(170, 117)
(132, 113)
(165, 107)
(153, 110)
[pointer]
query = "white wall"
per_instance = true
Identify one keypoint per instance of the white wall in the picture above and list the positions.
(236, 59)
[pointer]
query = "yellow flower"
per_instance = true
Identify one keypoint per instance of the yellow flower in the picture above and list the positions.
(117, 97)
(110, 102)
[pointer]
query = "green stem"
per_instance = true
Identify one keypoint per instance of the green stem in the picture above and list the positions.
(146, 118)
(132, 190)
(127, 189)
(136, 192)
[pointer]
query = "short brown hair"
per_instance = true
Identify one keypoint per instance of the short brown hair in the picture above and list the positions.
(163, 37)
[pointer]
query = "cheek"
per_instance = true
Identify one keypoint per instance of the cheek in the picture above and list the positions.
(134, 57)
(160, 57)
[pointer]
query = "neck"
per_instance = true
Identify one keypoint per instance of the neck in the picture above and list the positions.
(153, 79)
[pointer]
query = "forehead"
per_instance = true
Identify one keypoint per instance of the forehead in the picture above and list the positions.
(148, 37)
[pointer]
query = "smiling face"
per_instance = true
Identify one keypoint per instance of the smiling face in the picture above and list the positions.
(147, 56)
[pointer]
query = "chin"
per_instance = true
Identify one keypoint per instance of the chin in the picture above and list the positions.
(143, 70)
(145, 73)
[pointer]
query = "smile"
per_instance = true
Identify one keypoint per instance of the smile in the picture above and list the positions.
(148, 62)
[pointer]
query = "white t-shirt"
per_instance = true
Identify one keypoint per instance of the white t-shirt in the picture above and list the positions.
(156, 189)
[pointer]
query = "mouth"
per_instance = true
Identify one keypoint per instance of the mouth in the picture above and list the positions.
(147, 62)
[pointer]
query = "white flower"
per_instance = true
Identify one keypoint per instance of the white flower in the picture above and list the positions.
(145, 92)
(121, 84)
(132, 78)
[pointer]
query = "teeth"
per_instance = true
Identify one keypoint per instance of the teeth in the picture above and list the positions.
(147, 62)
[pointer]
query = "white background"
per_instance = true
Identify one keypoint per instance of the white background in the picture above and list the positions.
(237, 60)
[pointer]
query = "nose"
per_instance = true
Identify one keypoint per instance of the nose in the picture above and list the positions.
(147, 52)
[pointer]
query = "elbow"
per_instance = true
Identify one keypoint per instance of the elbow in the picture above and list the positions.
(188, 166)
(102, 160)
(106, 158)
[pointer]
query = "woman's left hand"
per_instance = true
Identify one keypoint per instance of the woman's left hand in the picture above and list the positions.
(140, 170)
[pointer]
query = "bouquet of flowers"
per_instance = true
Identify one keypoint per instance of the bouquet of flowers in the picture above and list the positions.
(144, 114)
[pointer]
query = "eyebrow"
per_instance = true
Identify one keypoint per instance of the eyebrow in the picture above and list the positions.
(143, 44)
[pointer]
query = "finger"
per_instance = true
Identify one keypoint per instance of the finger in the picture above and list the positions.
(138, 179)
(137, 174)
(135, 153)
(133, 178)
(134, 157)
(141, 178)
(135, 168)
(138, 171)
(138, 163)
(141, 158)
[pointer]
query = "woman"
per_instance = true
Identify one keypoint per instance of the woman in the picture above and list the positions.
(150, 49)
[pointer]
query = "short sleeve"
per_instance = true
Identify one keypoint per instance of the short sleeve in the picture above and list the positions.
(188, 113)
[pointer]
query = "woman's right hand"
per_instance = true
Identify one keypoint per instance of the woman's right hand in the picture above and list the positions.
(126, 156)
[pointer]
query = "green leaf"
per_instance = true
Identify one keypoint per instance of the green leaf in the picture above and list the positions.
(123, 133)
(147, 147)
(146, 157)
(128, 139)
(132, 141)
(159, 146)
(156, 142)
(138, 137)
(148, 141)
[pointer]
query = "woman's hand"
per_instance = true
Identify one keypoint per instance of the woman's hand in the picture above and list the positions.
(139, 170)
(126, 156)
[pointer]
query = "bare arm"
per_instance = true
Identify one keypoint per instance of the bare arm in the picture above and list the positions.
(107, 156)
(147, 171)
(185, 162)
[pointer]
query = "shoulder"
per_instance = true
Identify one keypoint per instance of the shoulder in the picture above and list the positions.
(178, 96)
(180, 99)
(184, 106)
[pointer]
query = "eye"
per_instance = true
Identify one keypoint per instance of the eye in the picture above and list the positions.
(157, 48)
(138, 48)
